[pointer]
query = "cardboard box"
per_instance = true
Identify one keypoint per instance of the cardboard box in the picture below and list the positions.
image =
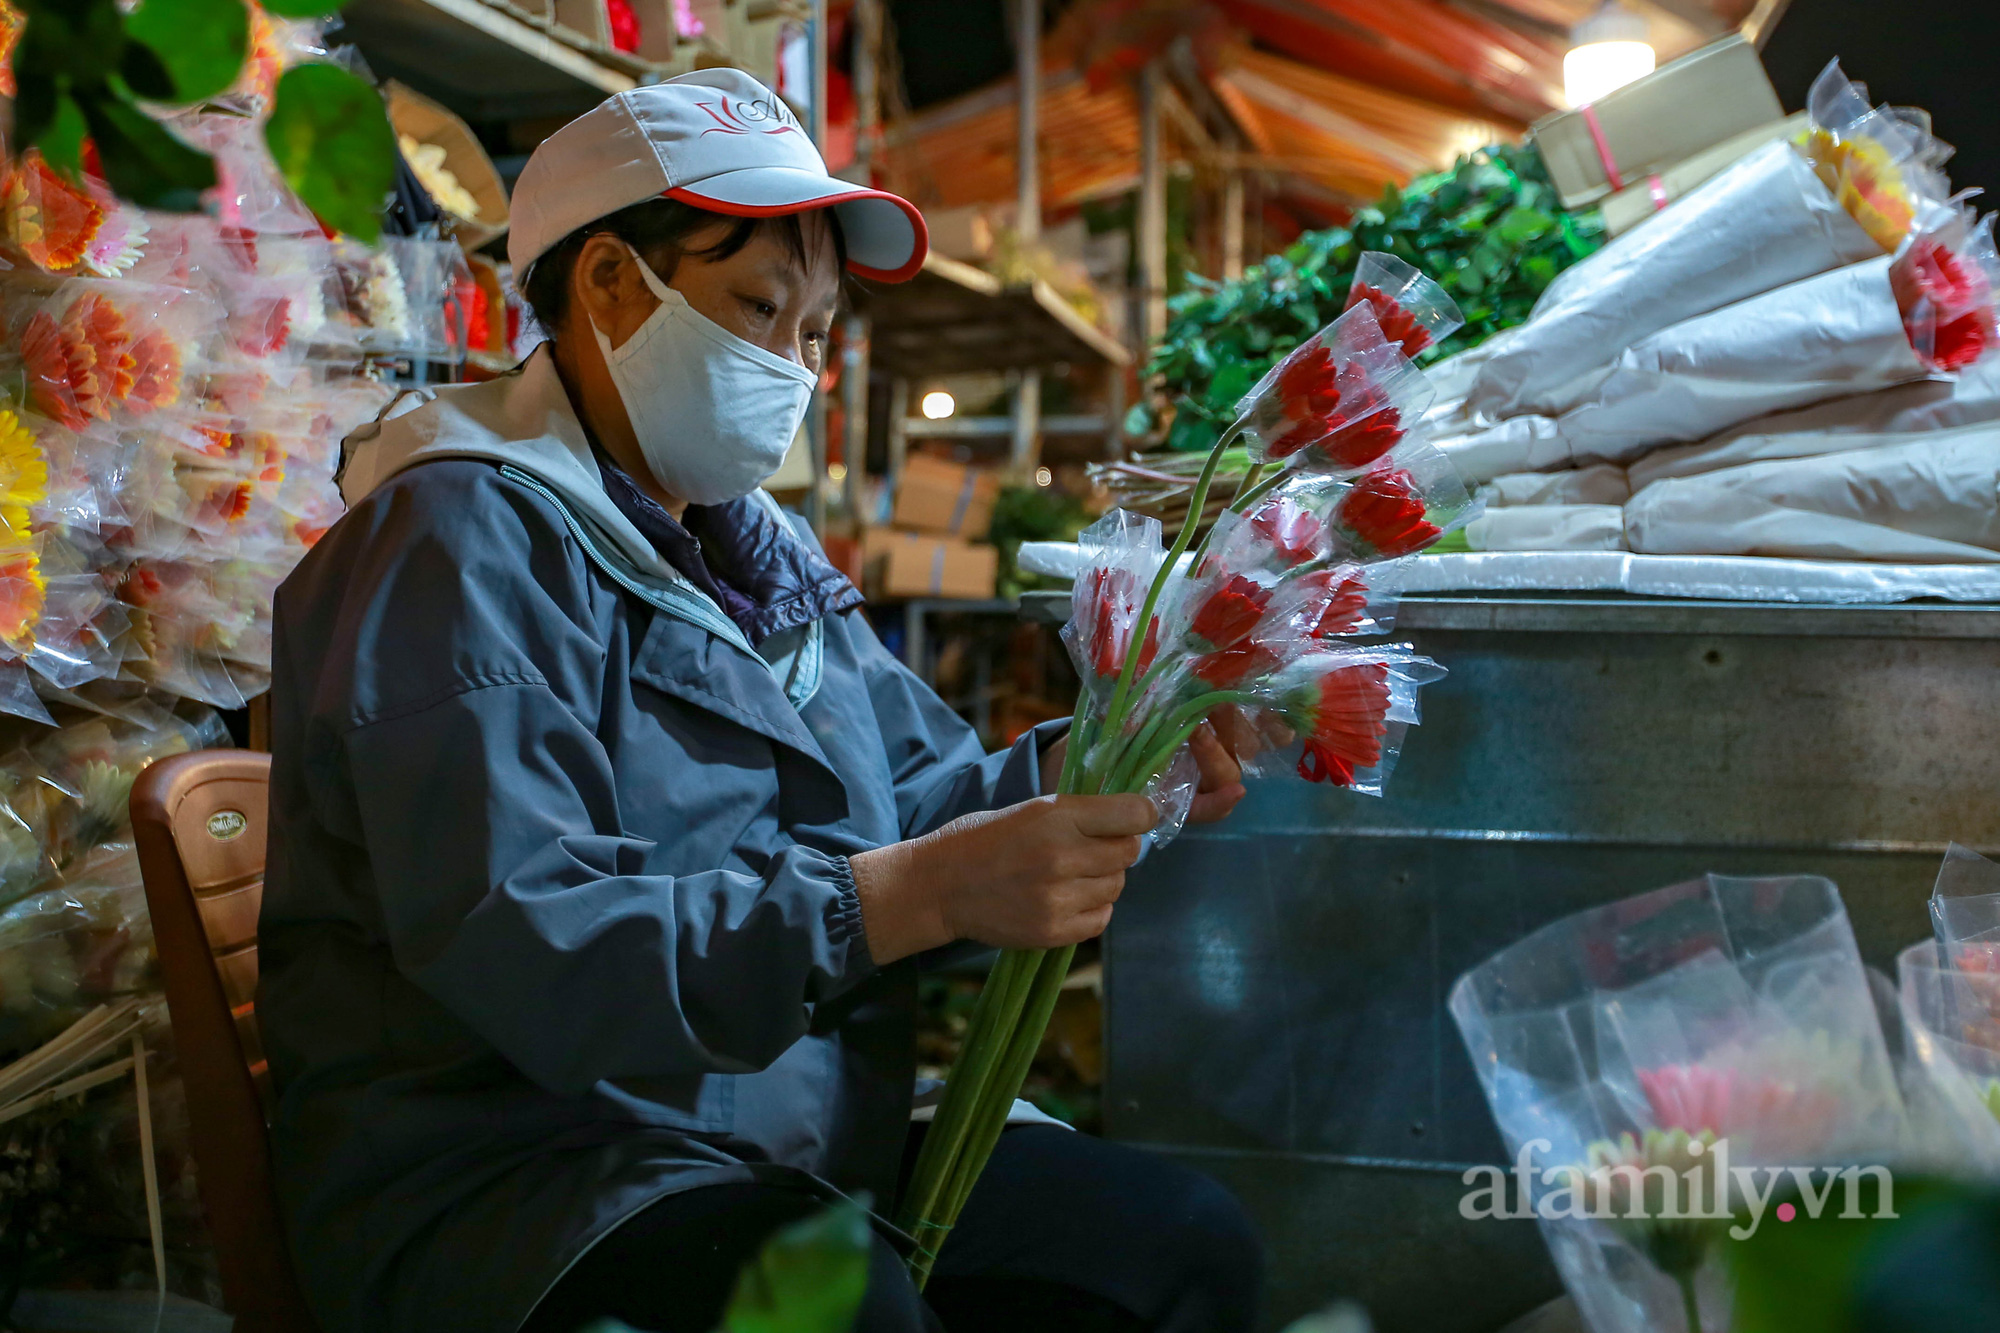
(1635, 203)
(427, 122)
(912, 564)
(1678, 110)
(944, 497)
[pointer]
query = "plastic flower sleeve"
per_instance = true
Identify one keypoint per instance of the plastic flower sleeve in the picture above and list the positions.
(1348, 708)
(1401, 506)
(1339, 401)
(1882, 163)
(1120, 554)
(1944, 286)
(1172, 791)
(1954, 1045)
(69, 948)
(1965, 910)
(1720, 1016)
(1414, 312)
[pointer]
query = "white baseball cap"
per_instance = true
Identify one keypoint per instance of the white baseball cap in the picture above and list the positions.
(719, 140)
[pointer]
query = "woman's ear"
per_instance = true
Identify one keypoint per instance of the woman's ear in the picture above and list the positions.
(606, 289)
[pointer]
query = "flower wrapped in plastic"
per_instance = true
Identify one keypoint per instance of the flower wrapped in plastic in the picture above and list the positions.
(1949, 1035)
(65, 226)
(111, 351)
(1340, 400)
(1882, 163)
(1415, 313)
(1944, 283)
(1723, 1029)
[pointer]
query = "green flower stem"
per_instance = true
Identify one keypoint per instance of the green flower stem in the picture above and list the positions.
(1078, 742)
(1690, 1303)
(1241, 504)
(1245, 497)
(992, 1019)
(1115, 715)
(1255, 471)
(1022, 1043)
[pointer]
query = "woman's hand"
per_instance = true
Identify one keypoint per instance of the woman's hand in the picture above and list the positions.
(1038, 875)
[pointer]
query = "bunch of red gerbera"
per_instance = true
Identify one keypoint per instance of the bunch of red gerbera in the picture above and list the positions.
(1261, 617)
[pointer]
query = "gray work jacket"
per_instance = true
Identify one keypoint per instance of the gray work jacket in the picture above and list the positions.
(559, 917)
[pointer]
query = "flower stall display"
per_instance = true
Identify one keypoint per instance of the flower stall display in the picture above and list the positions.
(1719, 1029)
(173, 391)
(1261, 616)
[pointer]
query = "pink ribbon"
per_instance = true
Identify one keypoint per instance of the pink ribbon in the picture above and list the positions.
(1610, 164)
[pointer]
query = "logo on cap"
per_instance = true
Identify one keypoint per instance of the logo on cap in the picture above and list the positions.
(744, 116)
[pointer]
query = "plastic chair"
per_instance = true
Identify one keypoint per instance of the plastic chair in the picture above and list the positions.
(200, 821)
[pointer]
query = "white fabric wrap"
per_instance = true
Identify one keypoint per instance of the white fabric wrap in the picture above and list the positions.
(1896, 415)
(1553, 527)
(1821, 338)
(1765, 222)
(1930, 501)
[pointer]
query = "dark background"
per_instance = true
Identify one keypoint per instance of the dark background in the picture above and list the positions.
(1941, 56)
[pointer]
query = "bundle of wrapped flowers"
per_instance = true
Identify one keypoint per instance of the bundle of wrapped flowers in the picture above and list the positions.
(1261, 617)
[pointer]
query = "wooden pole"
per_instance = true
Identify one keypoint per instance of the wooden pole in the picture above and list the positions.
(1152, 209)
(1026, 453)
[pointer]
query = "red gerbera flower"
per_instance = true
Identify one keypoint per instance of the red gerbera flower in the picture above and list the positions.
(1386, 512)
(1957, 343)
(1291, 531)
(1115, 595)
(1228, 614)
(1344, 717)
(1339, 601)
(1398, 324)
(1232, 666)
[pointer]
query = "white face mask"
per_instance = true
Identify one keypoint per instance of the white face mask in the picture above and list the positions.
(714, 414)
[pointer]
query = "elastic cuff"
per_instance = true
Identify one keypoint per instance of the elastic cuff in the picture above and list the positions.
(844, 926)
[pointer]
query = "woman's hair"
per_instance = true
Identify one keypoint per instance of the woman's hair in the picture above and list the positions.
(659, 229)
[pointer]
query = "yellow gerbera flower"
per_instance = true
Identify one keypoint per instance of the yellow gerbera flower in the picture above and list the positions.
(24, 474)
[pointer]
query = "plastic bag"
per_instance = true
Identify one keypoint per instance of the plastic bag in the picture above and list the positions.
(69, 948)
(111, 351)
(1120, 553)
(1657, 1031)
(1950, 1033)
(1415, 313)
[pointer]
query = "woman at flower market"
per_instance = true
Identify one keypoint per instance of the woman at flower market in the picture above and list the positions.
(607, 841)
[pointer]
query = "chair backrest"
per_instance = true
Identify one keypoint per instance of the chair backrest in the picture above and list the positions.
(200, 821)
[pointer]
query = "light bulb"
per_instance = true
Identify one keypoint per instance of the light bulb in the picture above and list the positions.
(1589, 72)
(1043, 476)
(1610, 51)
(938, 405)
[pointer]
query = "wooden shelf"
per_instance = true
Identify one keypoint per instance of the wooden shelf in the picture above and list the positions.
(483, 61)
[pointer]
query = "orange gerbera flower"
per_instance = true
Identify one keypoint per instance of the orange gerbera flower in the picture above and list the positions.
(22, 594)
(62, 381)
(11, 21)
(46, 218)
(94, 320)
(156, 372)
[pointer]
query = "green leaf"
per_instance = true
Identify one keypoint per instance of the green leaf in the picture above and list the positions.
(1519, 225)
(62, 142)
(202, 44)
(809, 1278)
(142, 161)
(146, 74)
(1230, 383)
(1192, 433)
(81, 41)
(303, 9)
(331, 138)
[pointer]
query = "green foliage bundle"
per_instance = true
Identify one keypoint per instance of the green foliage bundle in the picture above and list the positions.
(86, 69)
(1489, 231)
